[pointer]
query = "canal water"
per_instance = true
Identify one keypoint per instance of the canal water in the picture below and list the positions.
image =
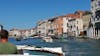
(71, 47)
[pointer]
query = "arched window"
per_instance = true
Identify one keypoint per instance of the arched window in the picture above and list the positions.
(97, 14)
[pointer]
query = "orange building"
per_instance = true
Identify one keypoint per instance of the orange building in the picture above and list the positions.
(60, 25)
(57, 24)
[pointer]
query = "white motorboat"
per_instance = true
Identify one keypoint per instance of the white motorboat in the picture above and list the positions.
(47, 39)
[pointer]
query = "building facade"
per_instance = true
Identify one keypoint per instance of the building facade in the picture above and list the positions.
(65, 25)
(14, 32)
(57, 25)
(76, 24)
(42, 27)
(94, 28)
(23, 33)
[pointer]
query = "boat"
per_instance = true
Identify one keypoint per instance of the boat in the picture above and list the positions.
(47, 39)
(18, 38)
(53, 50)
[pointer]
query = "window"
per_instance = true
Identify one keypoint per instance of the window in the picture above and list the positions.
(77, 27)
(71, 26)
(99, 3)
(74, 25)
(97, 14)
(96, 5)
(67, 24)
(77, 22)
(92, 6)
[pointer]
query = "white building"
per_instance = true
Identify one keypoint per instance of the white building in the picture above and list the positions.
(33, 31)
(28, 32)
(94, 28)
(65, 25)
(41, 27)
(75, 24)
(24, 33)
(14, 32)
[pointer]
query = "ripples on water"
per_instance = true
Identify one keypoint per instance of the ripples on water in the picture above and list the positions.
(71, 47)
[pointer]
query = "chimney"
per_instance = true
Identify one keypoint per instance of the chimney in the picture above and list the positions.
(1, 27)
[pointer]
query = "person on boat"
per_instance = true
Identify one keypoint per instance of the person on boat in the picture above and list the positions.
(5, 46)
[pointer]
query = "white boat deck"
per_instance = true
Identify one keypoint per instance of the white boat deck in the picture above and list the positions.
(52, 50)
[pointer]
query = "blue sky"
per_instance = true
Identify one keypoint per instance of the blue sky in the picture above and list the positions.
(24, 14)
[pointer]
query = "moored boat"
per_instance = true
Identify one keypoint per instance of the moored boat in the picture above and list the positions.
(47, 39)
